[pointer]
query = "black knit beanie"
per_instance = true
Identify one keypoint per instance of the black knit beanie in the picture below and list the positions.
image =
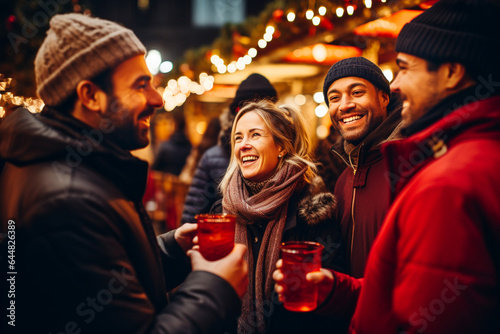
(356, 67)
(255, 87)
(463, 31)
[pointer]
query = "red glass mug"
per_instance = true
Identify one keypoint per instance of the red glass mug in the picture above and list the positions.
(300, 258)
(215, 235)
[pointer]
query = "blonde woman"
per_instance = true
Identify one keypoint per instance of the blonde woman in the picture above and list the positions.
(272, 187)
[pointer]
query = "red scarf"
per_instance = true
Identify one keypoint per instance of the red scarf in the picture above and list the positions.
(269, 205)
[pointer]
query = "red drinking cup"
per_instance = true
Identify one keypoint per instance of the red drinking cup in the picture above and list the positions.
(300, 258)
(215, 235)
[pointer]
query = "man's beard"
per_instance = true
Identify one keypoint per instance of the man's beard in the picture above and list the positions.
(124, 132)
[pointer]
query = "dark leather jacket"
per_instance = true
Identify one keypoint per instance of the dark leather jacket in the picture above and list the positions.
(204, 191)
(86, 254)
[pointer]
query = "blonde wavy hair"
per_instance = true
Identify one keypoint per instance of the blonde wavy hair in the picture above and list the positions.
(287, 127)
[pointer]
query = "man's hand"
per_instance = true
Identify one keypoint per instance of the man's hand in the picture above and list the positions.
(184, 235)
(233, 268)
(324, 278)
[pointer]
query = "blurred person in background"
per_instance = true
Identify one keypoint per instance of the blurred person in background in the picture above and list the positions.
(172, 154)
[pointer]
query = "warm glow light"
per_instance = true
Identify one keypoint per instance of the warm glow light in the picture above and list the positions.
(208, 85)
(153, 61)
(201, 127)
(309, 14)
(180, 99)
(183, 81)
(203, 77)
(322, 10)
(316, 21)
(214, 59)
(262, 43)
(222, 69)
(172, 83)
(252, 52)
(247, 59)
(321, 110)
(319, 52)
(300, 99)
(350, 10)
(270, 30)
(368, 3)
(319, 97)
(290, 17)
(388, 74)
(384, 1)
(231, 68)
(340, 11)
(322, 131)
(166, 66)
(268, 37)
(240, 64)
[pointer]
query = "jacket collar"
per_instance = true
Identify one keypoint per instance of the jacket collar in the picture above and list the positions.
(406, 157)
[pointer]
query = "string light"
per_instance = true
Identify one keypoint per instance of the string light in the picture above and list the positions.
(316, 21)
(290, 17)
(322, 10)
(9, 100)
(340, 12)
(350, 10)
(309, 14)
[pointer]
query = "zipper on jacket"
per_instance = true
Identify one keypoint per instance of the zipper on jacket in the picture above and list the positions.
(352, 165)
(353, 225)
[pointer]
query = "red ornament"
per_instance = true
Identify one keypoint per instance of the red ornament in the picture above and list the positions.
(278, 15)
(10, 22)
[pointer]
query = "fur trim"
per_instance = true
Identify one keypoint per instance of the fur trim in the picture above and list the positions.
(317, 208)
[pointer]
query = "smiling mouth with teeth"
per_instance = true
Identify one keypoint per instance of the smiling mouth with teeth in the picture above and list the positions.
(351, 119)
(249, 158)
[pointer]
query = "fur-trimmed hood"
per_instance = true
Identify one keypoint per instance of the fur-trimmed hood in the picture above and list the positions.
(317, 206)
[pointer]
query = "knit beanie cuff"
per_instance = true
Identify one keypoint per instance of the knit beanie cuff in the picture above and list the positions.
(78, 48)
(438, 45)
(356, 67)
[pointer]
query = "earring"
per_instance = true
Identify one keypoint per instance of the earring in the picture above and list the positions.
(279, 156)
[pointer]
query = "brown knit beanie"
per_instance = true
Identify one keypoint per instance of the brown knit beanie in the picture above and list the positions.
(79, 47)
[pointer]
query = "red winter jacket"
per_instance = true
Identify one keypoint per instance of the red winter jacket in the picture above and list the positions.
(434, 267)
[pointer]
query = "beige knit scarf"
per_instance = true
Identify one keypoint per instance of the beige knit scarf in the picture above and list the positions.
(269, 205)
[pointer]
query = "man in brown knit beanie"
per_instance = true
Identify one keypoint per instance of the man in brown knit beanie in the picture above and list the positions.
(87, 258)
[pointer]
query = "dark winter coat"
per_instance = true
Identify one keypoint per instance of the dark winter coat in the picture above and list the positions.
(310, 217)
(86, 255)
(172, 154)
(363, 191)
(204, 189)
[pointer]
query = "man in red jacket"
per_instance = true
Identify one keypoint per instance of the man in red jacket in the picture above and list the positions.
(434, 267)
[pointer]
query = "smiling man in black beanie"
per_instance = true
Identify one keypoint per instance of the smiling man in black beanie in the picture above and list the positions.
(363, 112)
(434, 267)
